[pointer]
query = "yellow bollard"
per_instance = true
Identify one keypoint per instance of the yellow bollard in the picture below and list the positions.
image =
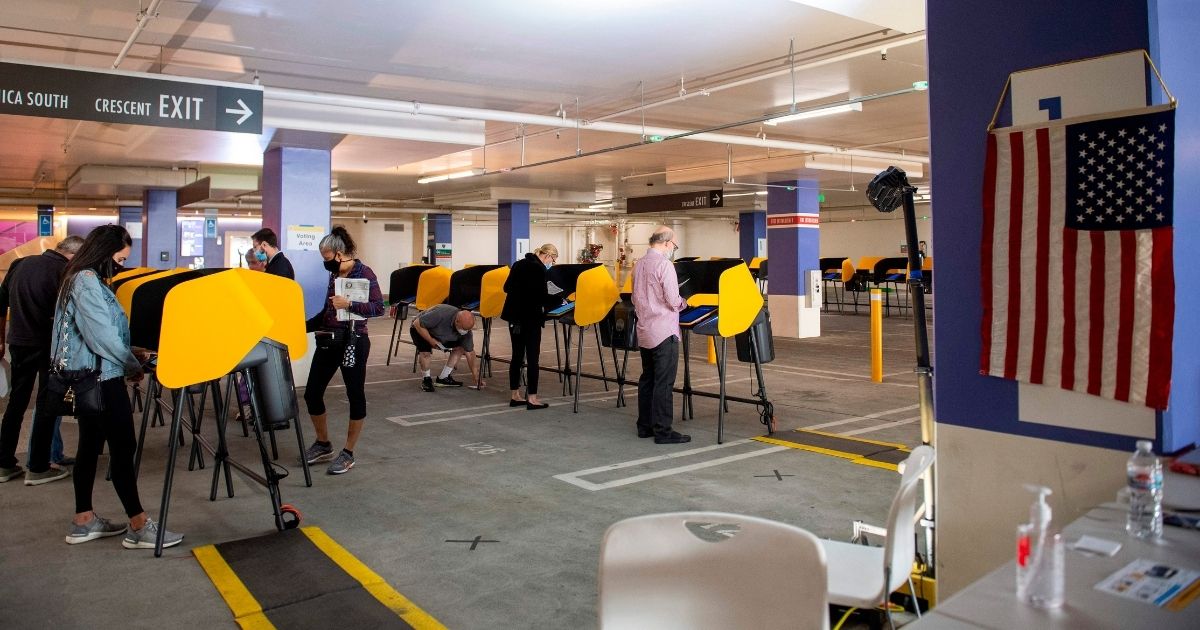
(712, 350)
(877, 335)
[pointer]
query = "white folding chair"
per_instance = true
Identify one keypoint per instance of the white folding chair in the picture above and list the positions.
(711, 570)
(864, 577)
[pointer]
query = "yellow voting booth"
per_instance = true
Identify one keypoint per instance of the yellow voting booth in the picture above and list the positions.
(211, 324)
(724, 301)
(491, 303)
(595, 294)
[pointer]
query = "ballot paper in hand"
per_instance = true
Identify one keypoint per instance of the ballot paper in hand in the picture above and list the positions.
(355, 290)
(552, 289)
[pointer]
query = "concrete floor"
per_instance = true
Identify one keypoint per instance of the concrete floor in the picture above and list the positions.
(456, 464)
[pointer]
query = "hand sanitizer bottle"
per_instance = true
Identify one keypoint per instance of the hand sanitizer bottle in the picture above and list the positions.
(1039, 556)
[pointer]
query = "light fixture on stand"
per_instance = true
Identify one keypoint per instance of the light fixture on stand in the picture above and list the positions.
(889, 190)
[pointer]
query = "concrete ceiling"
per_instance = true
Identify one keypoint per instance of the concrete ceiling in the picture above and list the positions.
(694, 64)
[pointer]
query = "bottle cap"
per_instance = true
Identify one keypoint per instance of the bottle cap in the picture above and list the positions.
(1039, 512)
(1145, 445)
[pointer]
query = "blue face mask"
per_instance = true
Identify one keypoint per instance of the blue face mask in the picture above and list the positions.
(549, 265)
(261, 256)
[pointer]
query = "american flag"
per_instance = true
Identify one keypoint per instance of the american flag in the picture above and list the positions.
(1078, 284)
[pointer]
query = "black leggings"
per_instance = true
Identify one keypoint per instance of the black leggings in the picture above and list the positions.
(526, 345)
(325, 364)
(115, 426)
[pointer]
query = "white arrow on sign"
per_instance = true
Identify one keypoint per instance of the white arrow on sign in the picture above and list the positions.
(245, 111)
(716, 198)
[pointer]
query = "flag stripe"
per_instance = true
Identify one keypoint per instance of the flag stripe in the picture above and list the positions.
(1083, 325)
(1055, 285)
(1095, 353)
(1070, 245)
(1112, 311)
(1127, 307)
(1161, 319)
(1000, 270)
(1140, 359)
(985, 256)
(1015, 217)
(1041, 268)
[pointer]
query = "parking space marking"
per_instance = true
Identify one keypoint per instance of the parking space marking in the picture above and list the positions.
(872, 416)
(880, 427)
(574, 478)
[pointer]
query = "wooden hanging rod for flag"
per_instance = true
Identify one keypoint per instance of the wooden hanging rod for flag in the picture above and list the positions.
(1008, 81)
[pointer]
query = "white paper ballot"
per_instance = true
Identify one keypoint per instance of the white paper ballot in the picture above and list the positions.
(552, 288)
(355, 290)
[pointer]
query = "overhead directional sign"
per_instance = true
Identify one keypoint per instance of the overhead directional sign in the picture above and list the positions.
(131, 98)
(681, 201)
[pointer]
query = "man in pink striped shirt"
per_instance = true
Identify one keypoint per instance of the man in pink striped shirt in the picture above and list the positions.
(657, 303)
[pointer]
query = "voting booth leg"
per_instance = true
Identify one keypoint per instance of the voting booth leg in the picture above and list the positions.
(721, 409)
(151, 387)
(485, 359)
(620, 370)
(394, 344)
(768, 410)
(600, 351)
(169, 477)
(579, 366)
(272, 472)
(687, 411)
(135, 401)
(195, 457)
(557, 353)
(221, 456)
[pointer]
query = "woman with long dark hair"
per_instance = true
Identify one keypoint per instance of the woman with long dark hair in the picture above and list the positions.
(525, 305)
(342, 345)
(90, 328)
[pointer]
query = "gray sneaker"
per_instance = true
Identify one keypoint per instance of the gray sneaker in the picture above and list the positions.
(98, 527)
(145, 537)
(10, 473)
(51, 474)
(343, 463)
(318, 453)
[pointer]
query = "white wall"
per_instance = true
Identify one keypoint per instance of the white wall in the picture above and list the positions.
(383, 251)
(708, 238)
(869, 238)
(475, 243)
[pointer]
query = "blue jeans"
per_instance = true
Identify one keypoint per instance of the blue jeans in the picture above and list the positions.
(56, 445)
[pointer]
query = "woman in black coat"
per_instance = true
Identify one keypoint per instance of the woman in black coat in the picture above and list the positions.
(525, 311)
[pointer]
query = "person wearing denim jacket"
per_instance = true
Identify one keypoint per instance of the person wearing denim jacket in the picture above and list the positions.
(89, 324)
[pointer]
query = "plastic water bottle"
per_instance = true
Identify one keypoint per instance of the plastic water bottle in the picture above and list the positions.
(1145, 519)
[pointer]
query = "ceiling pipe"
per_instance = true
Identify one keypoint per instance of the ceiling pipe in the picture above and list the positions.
(414, 108)
(143, 19)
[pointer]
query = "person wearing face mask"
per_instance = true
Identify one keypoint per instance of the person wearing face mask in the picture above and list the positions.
(657, 302)
(90, 327)
(266, 250)
(445, 327)
(252, 261)
(349, 354)
(525, 304)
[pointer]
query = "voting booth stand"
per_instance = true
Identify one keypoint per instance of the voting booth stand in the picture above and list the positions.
(207, 325)
(466, 291)
(723, 302)
(563, 281)
(490, 304)
(402, 294)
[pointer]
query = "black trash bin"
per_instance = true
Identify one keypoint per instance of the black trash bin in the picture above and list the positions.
(619, 329)
(761, 329)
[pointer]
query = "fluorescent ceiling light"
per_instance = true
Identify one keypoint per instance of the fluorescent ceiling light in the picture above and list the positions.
(472, 172)
(335, 193)
(744, 194)
(824, 111)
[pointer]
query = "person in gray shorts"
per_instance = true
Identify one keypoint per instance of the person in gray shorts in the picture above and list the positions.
(447, 328)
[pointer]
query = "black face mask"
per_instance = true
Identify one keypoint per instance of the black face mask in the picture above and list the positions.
(333, 265)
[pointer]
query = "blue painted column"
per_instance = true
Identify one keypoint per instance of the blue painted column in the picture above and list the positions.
(793, 239)
(512, 225)
(125, 216)
(751, 227)
(441, 245)
(295, 190)
(160, 230)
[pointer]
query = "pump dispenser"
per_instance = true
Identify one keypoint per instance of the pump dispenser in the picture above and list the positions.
(1039, 555)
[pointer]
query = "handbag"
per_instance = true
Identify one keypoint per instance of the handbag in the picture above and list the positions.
(340, 341)
(73, 392)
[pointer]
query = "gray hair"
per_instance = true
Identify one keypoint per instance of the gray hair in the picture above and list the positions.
(338, 241)
(69, 245)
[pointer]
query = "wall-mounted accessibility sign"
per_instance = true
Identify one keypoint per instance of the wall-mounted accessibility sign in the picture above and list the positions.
(681, 201)
(131, 98)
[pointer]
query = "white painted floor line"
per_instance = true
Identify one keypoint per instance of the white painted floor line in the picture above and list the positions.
(657, 458)
(616, 483)
(393, 380)
(796, 367)
(880, 427)
(872, 416)
(561, 400)
(810, 375)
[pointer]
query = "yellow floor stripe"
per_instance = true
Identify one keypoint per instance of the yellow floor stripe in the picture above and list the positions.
(246, 610)
(808, 447)
(372, 582)
(862, 461)
(856, 439)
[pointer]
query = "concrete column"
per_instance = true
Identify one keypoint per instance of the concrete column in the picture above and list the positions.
(751, 227)
(512, 225)
(793, 238)
(295, 189)
(126, 216)
(440, 228)
(160, 230)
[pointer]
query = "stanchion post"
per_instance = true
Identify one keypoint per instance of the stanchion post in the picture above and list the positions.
(712, 351)
(877, 335)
